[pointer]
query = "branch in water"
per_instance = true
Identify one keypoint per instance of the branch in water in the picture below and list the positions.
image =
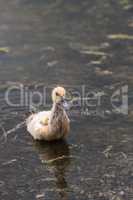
(6, 133)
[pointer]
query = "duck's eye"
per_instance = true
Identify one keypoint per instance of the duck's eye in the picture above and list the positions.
(57, 94)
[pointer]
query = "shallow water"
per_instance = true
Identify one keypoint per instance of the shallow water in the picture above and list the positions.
(80, 44)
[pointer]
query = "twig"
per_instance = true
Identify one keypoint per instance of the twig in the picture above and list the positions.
(59, 158)
(6, 133)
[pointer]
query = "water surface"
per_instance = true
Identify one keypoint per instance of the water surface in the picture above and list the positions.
(73, 43)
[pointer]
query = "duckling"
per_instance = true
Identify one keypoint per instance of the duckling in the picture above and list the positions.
(53, 124)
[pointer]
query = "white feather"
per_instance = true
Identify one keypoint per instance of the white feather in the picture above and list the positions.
(34, 122)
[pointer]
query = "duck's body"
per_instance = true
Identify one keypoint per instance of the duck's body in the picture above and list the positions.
(49, 125)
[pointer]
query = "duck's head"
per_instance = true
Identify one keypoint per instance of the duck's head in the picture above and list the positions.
(58, 94)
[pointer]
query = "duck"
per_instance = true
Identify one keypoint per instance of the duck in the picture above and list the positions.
(53, 124)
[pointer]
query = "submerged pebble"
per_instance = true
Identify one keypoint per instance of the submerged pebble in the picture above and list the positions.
(4, 49)
(52, 63)
(39, 196)
(101, 72)
(120, 36)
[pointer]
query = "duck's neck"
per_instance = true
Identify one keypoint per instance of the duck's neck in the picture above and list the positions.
(57, 113)
(57, 110)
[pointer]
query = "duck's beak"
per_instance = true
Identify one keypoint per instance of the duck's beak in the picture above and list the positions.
(65, 103)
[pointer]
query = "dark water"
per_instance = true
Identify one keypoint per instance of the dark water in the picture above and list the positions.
(75, 43)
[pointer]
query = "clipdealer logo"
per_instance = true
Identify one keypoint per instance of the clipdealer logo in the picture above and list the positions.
(119, 100)
(85, 99)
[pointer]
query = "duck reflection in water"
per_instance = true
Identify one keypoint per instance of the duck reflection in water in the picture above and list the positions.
(57, 156)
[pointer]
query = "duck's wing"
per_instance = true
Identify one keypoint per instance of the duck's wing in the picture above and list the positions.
(37, 121)
(41, 117)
